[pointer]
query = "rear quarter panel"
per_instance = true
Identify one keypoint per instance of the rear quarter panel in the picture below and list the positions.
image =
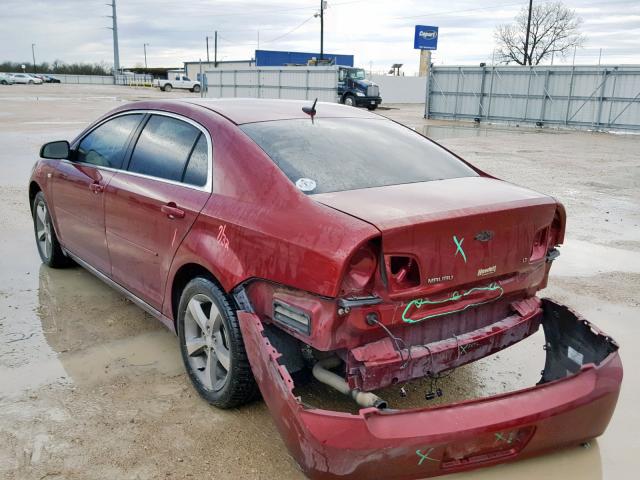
(256, 224)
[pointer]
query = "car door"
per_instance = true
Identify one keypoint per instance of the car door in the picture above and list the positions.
(78, 188)
(151, 207)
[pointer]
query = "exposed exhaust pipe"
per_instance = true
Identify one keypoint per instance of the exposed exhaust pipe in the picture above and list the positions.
(322, 374)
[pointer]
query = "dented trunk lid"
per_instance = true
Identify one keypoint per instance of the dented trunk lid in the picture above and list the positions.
(462, 232)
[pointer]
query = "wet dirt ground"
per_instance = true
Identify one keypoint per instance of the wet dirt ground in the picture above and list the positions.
(91, 387)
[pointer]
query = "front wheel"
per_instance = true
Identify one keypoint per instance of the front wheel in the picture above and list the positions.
(350, 100)
(196, 88)
(30, 82)
(167, 87)
(46, 240)
(212, 347)
(372, 107)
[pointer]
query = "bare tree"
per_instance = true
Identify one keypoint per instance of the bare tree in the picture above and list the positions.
(555, 30)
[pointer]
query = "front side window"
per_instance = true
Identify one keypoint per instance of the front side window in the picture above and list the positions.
(105, 145)
(335, 154)
(163, 148)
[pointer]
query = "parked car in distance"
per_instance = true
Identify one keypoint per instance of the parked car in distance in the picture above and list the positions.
(282, 240)
(6, 79)
(177, 81)
(25, 78)
(47, 78)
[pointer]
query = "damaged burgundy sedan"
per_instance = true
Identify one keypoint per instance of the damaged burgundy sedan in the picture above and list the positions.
(278, 238)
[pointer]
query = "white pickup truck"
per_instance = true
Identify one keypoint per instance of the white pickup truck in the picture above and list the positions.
(177, 81)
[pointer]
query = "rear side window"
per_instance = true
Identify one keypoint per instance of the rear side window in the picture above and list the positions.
(105, 145)
(334, 154)
(196, 172)
(163, 148)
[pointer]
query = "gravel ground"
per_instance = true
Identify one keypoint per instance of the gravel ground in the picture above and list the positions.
(91, 387)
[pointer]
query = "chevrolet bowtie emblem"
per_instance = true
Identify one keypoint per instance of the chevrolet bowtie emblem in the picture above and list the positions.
(484, 236)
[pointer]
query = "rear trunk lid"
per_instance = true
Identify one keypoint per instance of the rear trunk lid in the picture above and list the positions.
(460, 232)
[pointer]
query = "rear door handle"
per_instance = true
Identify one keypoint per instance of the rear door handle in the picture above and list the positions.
(96, 187)
(172, 211)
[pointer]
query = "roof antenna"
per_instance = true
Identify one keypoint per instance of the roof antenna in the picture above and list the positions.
(311, 111)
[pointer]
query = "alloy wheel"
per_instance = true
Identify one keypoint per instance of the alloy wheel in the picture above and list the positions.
(43, 229)
(206, 342)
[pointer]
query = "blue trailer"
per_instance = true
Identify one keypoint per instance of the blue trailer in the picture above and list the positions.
(274, 58)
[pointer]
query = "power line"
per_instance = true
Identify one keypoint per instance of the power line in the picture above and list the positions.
(290, 31)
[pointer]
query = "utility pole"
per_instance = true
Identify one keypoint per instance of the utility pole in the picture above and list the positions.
(207, 37)
(215, 50)
(323, 5)
(116, 51)
(526, 40)
(145, 57)
(33, 53)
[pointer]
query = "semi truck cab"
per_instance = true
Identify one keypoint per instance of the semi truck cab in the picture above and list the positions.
(355, 90)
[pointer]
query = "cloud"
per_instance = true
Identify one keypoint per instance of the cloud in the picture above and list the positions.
(377, 32)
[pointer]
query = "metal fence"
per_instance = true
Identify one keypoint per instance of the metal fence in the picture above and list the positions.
(598, 97)
(85, 79)
(301, 83)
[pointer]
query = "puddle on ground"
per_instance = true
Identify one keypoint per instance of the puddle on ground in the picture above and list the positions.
(441, 132)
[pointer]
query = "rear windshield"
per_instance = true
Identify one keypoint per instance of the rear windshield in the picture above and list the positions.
(335, 154)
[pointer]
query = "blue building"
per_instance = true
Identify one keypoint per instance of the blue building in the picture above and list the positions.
(274, 58)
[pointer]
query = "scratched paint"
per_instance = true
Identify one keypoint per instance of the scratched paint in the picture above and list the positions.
(454, 297)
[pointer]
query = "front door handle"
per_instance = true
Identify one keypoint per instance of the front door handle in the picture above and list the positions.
(96, 187)
(172, 211)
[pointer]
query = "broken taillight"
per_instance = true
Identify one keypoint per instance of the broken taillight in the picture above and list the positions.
(540, 244)
(403, 272)
(360, 271)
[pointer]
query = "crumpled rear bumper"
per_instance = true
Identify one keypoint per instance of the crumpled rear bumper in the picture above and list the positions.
(419, 443)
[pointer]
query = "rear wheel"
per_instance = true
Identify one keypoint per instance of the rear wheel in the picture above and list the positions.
(30, 82)
(46, 240)
(211, 345)
(167, 87)
(350, 100)
(196, 88)
(372, 107)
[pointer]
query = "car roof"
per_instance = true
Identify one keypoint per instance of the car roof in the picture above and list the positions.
(249, 110)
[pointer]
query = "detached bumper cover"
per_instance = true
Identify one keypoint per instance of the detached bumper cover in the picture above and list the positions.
(407, 444)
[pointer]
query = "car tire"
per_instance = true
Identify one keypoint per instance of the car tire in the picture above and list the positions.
(46, 239)
(4, 82)
(372, 107)
(167, 87)
(196, 89)
(350, 100)
(30, 82)
(211, 345)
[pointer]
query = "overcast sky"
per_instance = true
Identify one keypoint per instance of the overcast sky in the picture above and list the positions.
(377, 32)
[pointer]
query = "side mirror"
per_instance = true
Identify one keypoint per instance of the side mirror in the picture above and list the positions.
(59, 150)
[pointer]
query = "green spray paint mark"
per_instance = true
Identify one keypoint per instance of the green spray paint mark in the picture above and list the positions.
(454, 297)
(425, 456)
(459, 248)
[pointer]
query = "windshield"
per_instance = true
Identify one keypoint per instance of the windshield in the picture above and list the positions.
(356, 74)
(335, 154)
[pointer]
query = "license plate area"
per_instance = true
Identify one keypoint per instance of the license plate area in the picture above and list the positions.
(486, 447)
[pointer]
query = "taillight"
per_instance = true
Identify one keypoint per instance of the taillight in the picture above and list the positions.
(556, 235)
(404, 272)
(540, 242)
(360, 271)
